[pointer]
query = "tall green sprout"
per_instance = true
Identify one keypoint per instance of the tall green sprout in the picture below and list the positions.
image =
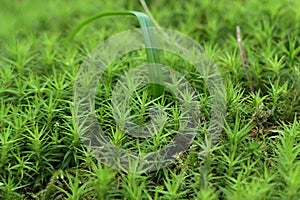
(150, 42)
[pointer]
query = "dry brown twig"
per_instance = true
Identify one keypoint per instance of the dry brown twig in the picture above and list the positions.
(245, 62)
(148, 12)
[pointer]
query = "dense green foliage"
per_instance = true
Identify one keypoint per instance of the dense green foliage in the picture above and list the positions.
(257, 156)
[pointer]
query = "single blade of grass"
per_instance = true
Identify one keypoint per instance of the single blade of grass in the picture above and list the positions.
(150, 42)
